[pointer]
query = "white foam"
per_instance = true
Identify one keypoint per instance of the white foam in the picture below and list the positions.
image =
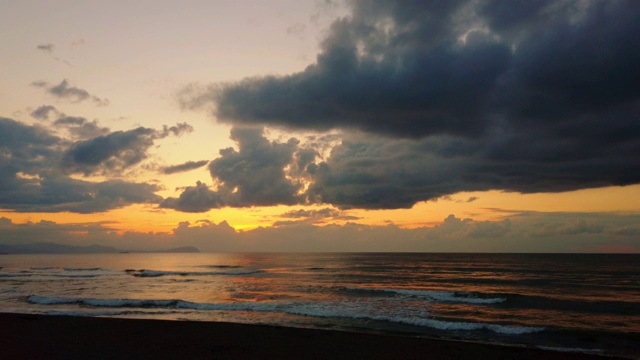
(81, 269)
(576, 350)
(441, 296)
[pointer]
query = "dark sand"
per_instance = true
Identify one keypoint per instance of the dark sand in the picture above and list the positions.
(60, 337)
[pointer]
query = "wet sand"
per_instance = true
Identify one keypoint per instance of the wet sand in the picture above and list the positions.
(62, 337)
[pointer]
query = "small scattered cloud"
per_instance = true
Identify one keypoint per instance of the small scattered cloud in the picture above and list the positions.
(67, 92)
(187, 166)
(46, 48)
(194, 199)
(49, 49)
(43, 112)
(78, 44)
(314, 216)
(297, 29)
(81, 128)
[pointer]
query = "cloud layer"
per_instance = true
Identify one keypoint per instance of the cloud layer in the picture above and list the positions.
(521, 232)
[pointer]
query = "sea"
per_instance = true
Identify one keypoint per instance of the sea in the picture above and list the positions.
(585, 303)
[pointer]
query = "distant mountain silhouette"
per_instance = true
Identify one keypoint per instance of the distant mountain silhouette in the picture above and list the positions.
(53, 248)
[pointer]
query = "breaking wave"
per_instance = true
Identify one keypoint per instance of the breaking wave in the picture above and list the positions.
(157, 273)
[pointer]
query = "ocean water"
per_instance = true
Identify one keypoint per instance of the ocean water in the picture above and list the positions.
(578, 303)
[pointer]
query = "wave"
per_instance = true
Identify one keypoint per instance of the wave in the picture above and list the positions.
(156, 273)
(221, 266)
(153, 303)
(14, 275)
(82, 269)
(105, 313)
(351, 310)
(441, 296)
(340, 310)
(43, 272)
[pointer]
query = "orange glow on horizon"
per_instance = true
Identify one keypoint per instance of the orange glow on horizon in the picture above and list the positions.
(479, 206)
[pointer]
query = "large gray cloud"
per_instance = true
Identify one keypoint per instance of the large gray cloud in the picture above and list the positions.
(253, 175)
(456, 67)
(71, 93)
(459, 96)
(32, 178)
(384, 173)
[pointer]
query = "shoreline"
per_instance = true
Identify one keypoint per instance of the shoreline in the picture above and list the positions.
(31, 336)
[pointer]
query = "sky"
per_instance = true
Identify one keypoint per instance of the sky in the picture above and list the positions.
(320, 125)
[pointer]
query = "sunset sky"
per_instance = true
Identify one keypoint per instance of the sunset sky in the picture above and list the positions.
(496, 126)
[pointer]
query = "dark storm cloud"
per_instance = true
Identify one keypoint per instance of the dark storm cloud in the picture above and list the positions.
(458, 96)
(187, 166)
(31, 179)
(254, 175)
(71, 93)
(455, 67)
(384, 173)
(116, 151)
(42, 112)
(390, 174)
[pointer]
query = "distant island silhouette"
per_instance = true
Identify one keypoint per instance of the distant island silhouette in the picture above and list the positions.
(54, 248)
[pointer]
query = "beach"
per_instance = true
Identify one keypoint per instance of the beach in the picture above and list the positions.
(28, 336)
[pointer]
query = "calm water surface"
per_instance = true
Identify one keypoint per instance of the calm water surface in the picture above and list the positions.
(581, 303)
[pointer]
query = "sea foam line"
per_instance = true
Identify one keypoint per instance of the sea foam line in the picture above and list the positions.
(157, 273)
(442, 296)
(153, 303)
